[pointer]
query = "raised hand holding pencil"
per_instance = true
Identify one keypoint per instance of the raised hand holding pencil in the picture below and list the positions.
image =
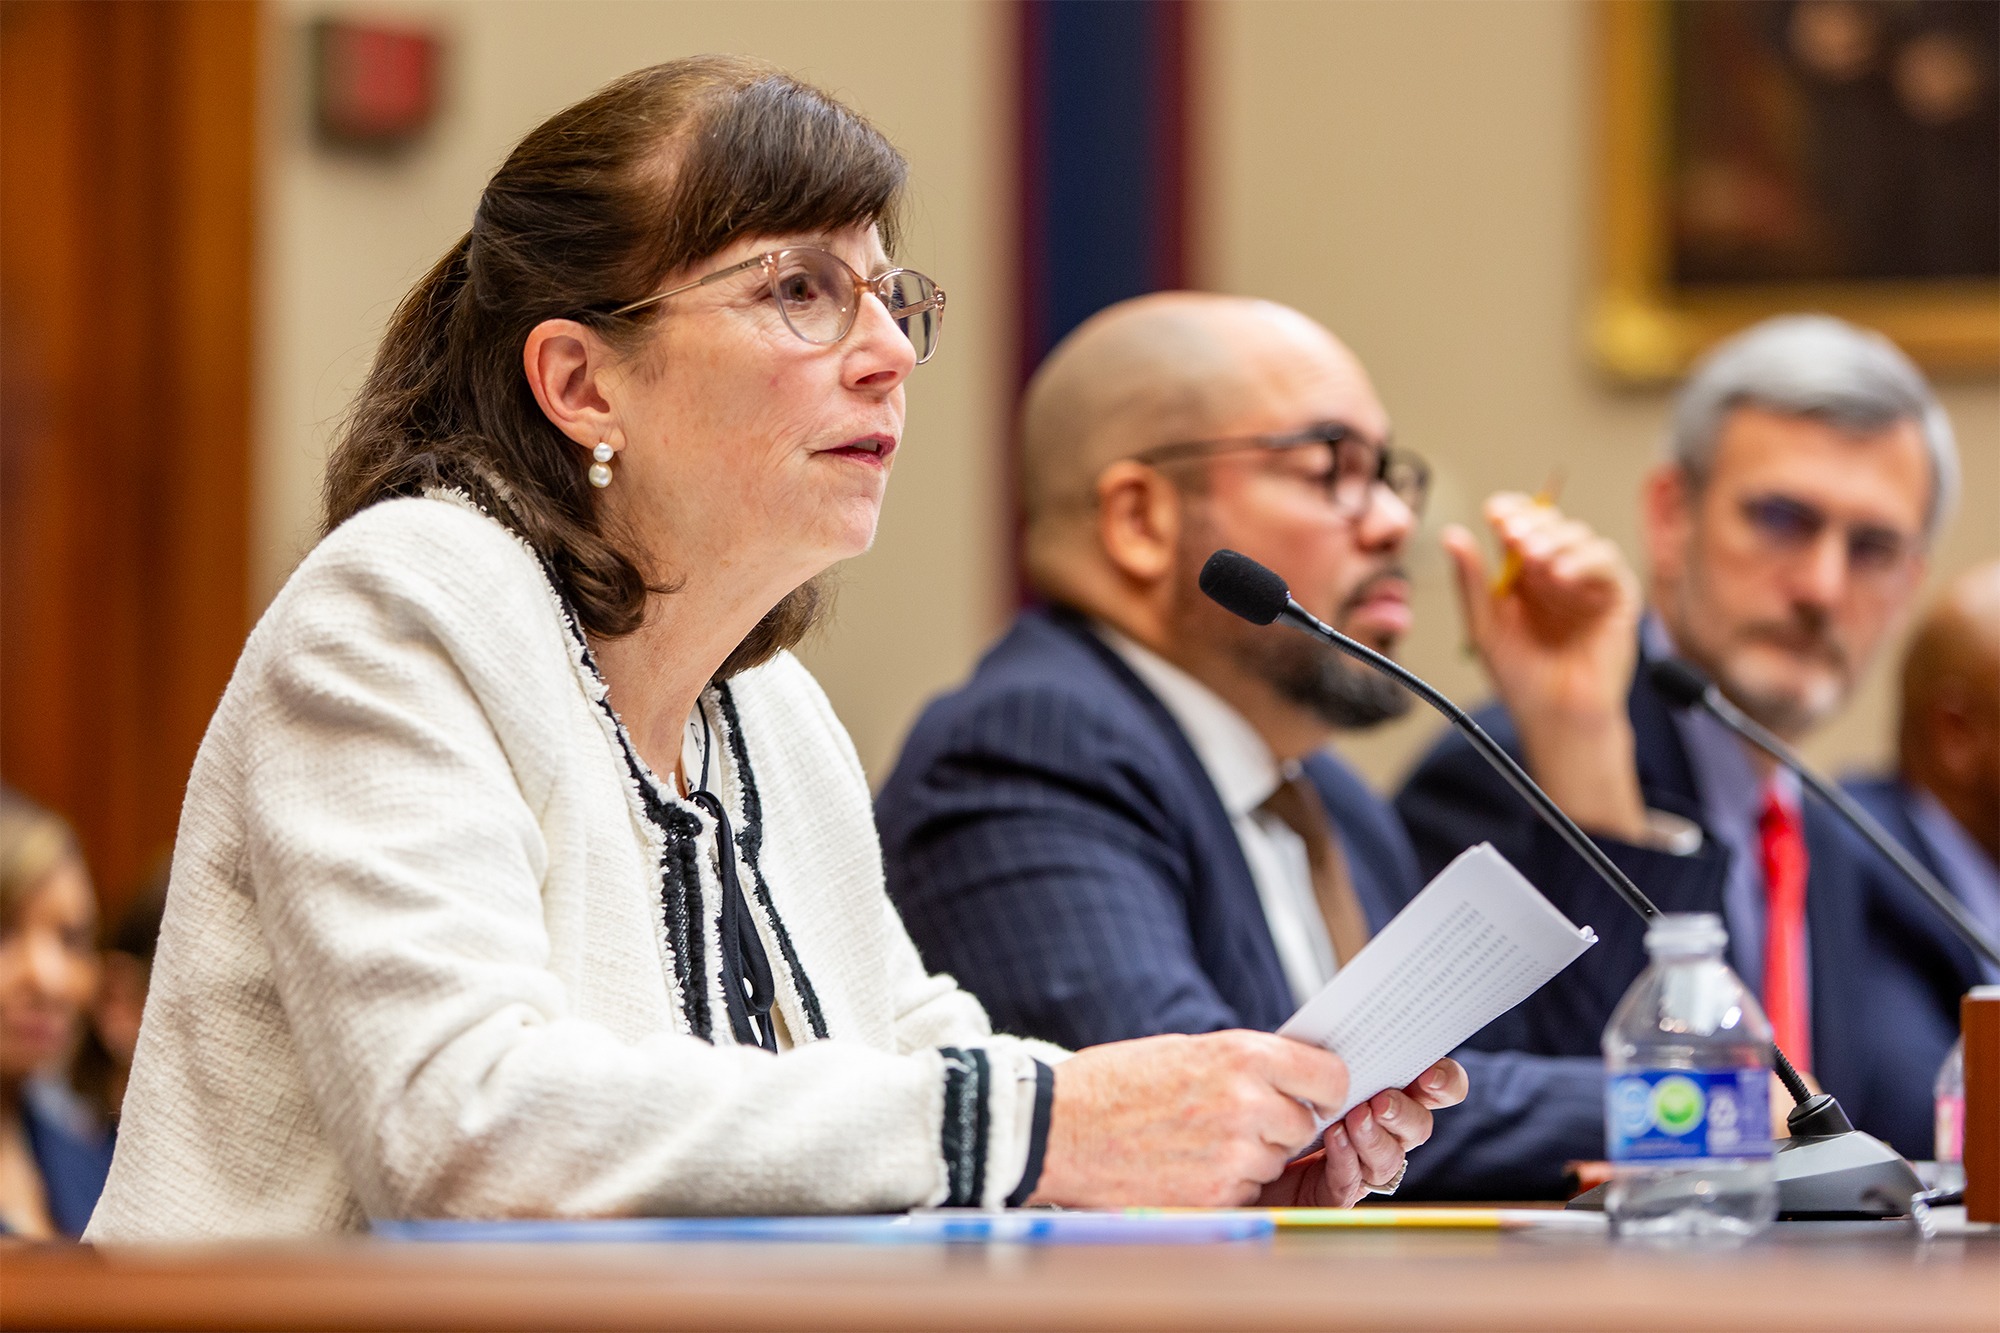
(1557, 630)
(1510, 559)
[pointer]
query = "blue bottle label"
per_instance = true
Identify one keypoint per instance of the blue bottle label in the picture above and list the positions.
(1657, 1115)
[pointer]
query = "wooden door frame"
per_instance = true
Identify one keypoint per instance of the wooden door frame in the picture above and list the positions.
(127, 234)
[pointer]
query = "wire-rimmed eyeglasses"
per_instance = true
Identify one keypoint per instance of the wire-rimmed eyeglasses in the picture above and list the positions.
(1793, 527)
(1354, 466)
(819, 294)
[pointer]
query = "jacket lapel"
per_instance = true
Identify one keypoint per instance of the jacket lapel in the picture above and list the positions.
(1226, 915)
(1835, 917)
(1902, 910)
(1666, 774)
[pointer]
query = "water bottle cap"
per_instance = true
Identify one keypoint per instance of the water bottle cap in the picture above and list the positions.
(1686, 933)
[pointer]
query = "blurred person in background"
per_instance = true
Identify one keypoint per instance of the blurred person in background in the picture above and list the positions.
(1943, 800)
(523, 870)
(1127, 821)
(1810, 470)
(104, 1065)
(53, 1153)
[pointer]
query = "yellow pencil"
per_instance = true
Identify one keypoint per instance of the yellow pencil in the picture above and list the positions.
(1413, 1219)
(1510, 566)
(1373, 1219)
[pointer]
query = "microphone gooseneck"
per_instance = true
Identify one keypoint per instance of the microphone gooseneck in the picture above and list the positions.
(1685, 687)
(1242, 586)
(1827, 1168)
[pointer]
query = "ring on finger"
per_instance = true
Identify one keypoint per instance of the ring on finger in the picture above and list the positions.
(1389, 1186)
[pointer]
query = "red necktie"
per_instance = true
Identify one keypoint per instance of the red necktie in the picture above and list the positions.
(1785, 998)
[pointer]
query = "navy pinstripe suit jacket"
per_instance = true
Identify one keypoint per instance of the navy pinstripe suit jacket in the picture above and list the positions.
(1052, 841)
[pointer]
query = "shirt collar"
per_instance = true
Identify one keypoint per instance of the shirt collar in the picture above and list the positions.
(1239, 764)
(1725, 778)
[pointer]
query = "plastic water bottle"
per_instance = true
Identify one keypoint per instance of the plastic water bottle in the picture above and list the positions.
(1687, 1113)
(1950, 1141)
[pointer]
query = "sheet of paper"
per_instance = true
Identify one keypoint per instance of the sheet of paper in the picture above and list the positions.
(1476, 942)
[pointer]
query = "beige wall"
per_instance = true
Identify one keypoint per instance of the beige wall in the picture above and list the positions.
(345, 237)
(1416, 176)
(1412, 172)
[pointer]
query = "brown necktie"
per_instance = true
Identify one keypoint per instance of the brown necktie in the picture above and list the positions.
(1297, 802)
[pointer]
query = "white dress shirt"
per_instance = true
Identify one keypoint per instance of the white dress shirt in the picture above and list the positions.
(1245, 773)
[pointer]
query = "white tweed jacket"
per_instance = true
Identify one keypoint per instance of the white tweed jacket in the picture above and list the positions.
(427, 954)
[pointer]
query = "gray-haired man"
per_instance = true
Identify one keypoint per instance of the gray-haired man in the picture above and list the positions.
(1809, 468)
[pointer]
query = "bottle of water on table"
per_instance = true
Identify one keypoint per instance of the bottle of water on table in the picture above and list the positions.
(1688, 1093)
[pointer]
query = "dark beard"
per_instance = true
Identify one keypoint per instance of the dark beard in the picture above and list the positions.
(1333, 687)
(1338, 690)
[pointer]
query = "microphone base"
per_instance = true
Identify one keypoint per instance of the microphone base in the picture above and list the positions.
(1826, 1178)
(1843, 1175)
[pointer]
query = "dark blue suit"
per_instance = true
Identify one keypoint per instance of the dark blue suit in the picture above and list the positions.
(1053, 841)
(1878, 1000)
(1936, 967)
(72, 1155)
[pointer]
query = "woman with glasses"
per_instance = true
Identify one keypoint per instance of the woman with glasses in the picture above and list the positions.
(523, 871)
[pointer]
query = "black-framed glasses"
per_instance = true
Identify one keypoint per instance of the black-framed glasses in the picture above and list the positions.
(1349, 467)
(819, 294)
(1791, 527)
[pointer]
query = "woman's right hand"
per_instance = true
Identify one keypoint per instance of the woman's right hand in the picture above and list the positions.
(1202, 1121)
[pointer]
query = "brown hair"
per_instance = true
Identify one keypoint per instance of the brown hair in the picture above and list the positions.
(33, 842)
(655, 172)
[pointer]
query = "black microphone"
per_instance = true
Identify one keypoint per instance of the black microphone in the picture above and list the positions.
(1685, 687)
(1242, 586)
(1827, 1168)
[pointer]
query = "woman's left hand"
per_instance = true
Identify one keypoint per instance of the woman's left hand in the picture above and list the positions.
(1365, 1149)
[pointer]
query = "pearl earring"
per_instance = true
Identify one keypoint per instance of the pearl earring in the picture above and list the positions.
(600, 471)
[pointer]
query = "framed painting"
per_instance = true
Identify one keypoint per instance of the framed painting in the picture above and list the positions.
(1759, 156)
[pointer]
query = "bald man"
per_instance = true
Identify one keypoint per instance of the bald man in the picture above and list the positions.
(1127, 823)
(1943, 803)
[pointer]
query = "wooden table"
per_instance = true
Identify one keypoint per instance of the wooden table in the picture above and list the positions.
(1871, 1276)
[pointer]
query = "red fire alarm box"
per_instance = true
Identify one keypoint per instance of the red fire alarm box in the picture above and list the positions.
(374, 86)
